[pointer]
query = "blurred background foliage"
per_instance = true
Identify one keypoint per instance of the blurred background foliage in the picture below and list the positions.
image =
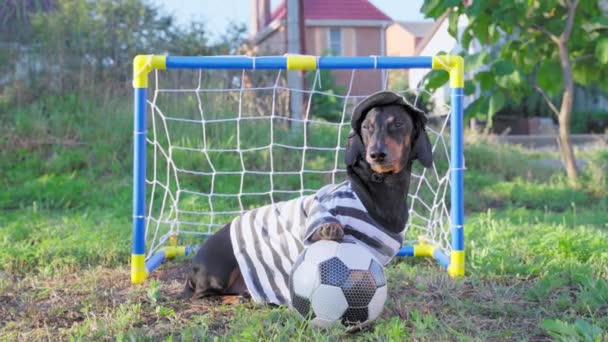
(66, 94)
(66, 190)
(63, 46)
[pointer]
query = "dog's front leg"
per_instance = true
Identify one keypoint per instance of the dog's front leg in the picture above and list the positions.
(328, 231)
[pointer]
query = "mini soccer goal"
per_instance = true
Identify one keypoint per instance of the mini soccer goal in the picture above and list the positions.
(219, 135)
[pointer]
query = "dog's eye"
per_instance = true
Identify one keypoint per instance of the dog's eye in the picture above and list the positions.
(365, 127)
(398, 124)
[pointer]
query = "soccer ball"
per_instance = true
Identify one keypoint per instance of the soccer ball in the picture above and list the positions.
(333, 282)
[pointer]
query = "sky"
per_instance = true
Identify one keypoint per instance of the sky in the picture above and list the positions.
(219, 13)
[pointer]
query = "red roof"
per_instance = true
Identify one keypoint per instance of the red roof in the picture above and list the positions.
(335, 10)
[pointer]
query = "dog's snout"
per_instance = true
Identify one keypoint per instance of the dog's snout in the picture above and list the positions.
(378, 154)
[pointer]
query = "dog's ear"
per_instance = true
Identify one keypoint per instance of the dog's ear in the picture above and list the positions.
(423, 150)
(354, 148)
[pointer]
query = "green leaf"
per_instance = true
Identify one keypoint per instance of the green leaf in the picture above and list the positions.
(436, 79)
(503, 67)
(601, 50)
(583, 73)
(476, 8)
(558, 328)
(469, 87)
(494, 34)
(453, 24)
(466, 38)
(480, 28)
(497, 101)
(475, 61)
(588, 330)
(433, 8)
(549, 77)
(477, 109)
(596, 23)
(512, 80)
(485, 79)
(529, 60)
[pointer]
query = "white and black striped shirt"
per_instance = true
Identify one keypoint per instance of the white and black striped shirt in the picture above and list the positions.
(267, 240)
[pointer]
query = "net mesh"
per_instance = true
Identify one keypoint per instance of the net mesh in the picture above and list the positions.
(223, 142)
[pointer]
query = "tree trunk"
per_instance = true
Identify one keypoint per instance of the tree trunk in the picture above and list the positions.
(565, 112)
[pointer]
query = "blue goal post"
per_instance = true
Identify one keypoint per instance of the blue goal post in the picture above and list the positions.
(453, 261)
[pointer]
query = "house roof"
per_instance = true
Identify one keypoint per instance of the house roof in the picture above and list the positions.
(417, 28)
(334, 10)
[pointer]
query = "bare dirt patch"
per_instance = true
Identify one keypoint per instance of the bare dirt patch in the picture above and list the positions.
(37, 307)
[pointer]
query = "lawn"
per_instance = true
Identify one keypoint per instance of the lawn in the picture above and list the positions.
(537, 261)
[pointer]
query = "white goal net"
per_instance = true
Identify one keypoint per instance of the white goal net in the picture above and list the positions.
(222, 142)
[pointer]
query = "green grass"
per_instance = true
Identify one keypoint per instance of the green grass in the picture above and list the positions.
(47, 242)
(525, 280)
(537, 261)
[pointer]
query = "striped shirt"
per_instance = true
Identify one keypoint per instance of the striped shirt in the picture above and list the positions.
(267, 240)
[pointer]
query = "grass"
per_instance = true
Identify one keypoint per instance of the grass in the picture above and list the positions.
(537, 262)
(50, 242)
(516, 288)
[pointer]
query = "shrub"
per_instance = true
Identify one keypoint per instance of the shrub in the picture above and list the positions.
(326, 106)
(589, 122)
(503, 161)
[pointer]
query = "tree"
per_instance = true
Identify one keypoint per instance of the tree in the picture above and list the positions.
(326, 105)
(88, 46)
(88, 40)
(534, 46)
(15, 17)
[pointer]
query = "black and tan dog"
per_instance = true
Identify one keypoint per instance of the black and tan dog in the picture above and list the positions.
(388, 135)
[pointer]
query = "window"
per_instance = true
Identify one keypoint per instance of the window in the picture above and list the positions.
(335, 41)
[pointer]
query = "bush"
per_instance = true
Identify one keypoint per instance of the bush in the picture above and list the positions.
(78, 45)
(594, 176)
(589, 122)
(506, 162)
(326, 106)
(555, 197)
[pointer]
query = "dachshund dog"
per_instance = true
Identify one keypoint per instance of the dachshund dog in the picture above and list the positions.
(255, 252)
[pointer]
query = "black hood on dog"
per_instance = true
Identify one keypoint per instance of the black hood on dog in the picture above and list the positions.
(385, 195)
(354, 145)
(380, 99)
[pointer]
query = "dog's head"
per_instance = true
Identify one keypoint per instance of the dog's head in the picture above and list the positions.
(388, 133)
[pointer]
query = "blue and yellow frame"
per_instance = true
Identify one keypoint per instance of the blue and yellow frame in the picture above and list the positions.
(144, 64)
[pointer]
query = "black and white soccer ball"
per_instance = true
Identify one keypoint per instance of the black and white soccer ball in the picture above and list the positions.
(337, 282)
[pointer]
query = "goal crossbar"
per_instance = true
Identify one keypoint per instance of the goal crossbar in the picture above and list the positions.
(453, 261)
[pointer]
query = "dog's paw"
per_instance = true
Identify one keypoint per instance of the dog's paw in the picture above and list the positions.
(188, 290)
(234, 299)
(330, 231)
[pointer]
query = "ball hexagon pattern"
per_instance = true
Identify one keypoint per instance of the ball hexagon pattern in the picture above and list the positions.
(356, 288)
(337, 282)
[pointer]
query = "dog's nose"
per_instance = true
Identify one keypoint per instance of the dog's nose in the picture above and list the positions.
(378, 155)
